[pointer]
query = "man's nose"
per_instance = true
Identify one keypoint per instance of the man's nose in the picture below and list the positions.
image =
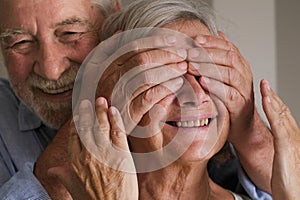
(192, 94)
(51, 61)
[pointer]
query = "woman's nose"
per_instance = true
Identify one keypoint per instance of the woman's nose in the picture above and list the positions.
(192, 94)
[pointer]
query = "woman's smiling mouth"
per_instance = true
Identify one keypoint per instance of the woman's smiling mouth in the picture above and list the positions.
(191, 124)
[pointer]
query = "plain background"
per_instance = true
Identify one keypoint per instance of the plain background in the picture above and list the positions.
(267, 33)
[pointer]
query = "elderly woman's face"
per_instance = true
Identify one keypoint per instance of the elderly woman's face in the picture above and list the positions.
(192, 122)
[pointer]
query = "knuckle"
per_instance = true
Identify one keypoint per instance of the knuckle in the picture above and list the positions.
(232, 47)
(230, 57)
(233, 95)
(103, 128)
(142, 58)
(158, 41)
(82, 160)
(284, 112)
(148, 97)
(147, 76)
(134, 46)
(117, 133)
(233, 76)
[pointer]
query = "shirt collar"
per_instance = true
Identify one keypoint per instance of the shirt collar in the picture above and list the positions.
(28, 120)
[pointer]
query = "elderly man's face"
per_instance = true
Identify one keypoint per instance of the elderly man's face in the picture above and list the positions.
(43, 43)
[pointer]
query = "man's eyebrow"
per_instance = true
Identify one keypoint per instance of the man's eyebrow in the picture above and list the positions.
(73, 20)
(8, 33)
(11, 32)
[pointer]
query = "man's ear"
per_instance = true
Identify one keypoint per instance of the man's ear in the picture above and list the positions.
(117, 6)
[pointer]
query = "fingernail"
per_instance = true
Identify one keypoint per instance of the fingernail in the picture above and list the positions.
(194, 53)
(113, 110)
(84, 103)
(100, 101)
(201, 39)
(182, 53)
(179, 82)
(183, 65)
(170, 39)
(268, 99)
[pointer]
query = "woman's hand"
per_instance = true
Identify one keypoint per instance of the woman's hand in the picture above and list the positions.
(286, 166)
(96, 167)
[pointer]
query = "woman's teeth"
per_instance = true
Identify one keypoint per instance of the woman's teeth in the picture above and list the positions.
(191, 124)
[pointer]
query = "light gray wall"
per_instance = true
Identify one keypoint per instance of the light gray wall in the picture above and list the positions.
(267, 32)
(288, 40)
(251, 25)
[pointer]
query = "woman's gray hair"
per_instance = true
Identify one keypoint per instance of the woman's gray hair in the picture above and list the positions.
(158, 13)
(106, 6)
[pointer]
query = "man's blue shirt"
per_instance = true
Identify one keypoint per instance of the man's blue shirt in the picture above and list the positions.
(23, 137)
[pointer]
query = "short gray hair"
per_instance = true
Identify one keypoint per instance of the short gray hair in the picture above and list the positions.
(157, 13)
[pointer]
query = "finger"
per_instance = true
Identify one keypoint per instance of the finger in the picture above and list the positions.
(152, 58)
(153, 122)
(278, 114)
(228, 95)
(222, 110)
(117, 133)
(145, 79)
(227, 75)
(214, 42)
(227, 58)
(144, 65)
(134, 110)
(222, 43)
(140, 45)
(86, 122)
(102, 132)
(223, 113)
(145, 101)
(222, 35)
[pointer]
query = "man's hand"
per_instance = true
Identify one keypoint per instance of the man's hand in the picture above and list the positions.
(225, 73)
(95, 169)
(139, 79)
(286, 166)
(55, 154)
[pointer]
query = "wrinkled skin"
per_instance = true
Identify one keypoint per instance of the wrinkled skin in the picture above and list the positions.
(226, 74)
(286, 133)
(85, 175)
